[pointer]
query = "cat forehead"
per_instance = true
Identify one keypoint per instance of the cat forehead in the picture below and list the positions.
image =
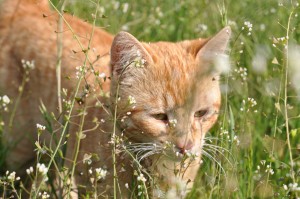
(173, 58)
(170, 95)
(169, 49)
(172, 76)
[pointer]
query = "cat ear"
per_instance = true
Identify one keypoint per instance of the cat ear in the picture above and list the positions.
(213, 53)
(216, 45)
(125, 50)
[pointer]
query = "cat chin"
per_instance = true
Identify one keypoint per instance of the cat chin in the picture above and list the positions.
(169, 173)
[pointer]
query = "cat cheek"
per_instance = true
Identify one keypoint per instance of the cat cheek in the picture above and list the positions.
(157, 129)
(197, 126)
(149, 126)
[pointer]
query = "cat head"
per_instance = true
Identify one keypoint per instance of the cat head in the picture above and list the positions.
(167, 92)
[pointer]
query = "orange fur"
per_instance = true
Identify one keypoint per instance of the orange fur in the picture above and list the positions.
(176, 81)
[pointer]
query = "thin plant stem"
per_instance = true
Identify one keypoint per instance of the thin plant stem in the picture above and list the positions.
(58, 67)
(286, 99)
(21, 91)
(80, 132)
(4, 190)
(59, 55)
(77, 147)
(114, 144)
(115, 175)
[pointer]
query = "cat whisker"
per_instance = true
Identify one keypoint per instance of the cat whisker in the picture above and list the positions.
(213, 138)
(134, 145)
(214, 151)
(143, 150)
(209, 156)
(149, 153)
(220, 149)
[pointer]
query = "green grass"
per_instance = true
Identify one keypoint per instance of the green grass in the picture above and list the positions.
(268, 130)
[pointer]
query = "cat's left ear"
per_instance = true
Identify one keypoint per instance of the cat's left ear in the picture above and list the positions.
(127, 49)
(216, 45)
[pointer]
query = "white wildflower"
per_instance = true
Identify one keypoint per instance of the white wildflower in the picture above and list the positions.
(224, 132)
(5, 100)
(125, 27)
(101, 10)
(12, 176)
(294, 187)
(125, 7)
(40, 127)
(28, 65)
(252, 102)
(242, 72)
(42, 168)
(262, 27)
(248, 25)
(44, 195)
(80, 70)
(141, 178)
(102, 75)
(126, 185)
(139, 62)
(173, 122)
(201, 28)
(269, 170)
(29, 171)
(236, 140)
(273, 10)
(100, 173)
(131, 100)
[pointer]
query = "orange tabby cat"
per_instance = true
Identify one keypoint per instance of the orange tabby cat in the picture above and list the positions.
(167, 93)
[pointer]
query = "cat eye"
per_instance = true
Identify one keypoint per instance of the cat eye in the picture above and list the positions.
(201, 113)
(161, 116)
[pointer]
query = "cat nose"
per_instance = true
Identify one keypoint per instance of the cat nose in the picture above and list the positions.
(184, 146)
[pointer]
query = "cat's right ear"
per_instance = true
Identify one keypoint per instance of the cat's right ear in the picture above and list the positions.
(125, 50)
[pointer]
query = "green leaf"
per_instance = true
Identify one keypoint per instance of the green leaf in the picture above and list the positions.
(293, 132)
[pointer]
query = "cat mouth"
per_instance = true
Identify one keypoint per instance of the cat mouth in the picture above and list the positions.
(179, 156)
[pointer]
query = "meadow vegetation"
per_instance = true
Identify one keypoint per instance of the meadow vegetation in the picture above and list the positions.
(254, 149)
